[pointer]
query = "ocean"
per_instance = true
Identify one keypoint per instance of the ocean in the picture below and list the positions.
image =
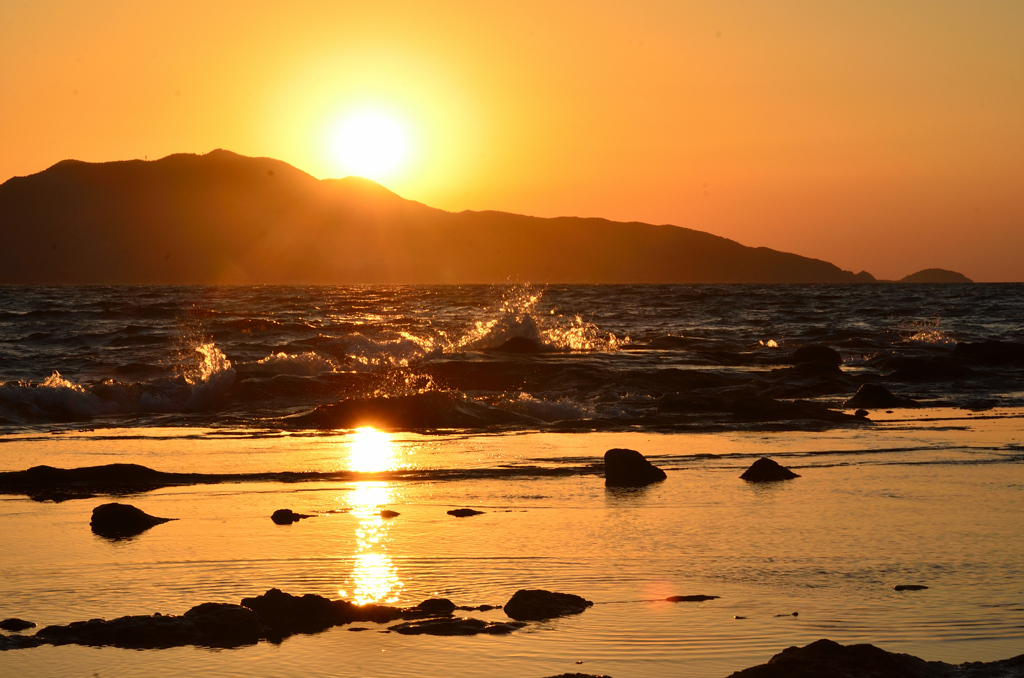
(504, 399)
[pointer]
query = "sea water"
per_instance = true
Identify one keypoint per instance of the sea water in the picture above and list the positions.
(926, 496)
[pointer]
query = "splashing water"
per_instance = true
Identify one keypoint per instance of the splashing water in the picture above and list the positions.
(212, 361)
(517, 317)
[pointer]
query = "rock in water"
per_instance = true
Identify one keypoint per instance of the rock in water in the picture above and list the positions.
(767, 470)
(464, 512)
(537, 604)
(816, 353)
(15, 624)
(454, 626)
(288, 516)
(629, 468)
(387, 514)
(878, 396)
(909, 587)
(699, 598)
(117, 521)
(828, 658)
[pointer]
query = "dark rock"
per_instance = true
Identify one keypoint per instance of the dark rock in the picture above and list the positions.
(137, 632)
(816, 354)
(18, 642)
(117, 521)
(761, 408)
(990, 352)
(578, 675)
(909, 587)
(225, 625)
(389, 514)
(537, 604)
(15, 624)
(288, 516)
(478, 608)
(690, 599)
(861, 413)
(287, 614)
(274, 615)
(930, 368)
(436, 607)
(878, 396)
(767, 470)
(464, 512)
(454, 626)
(48, 483)
(827, 658)
(629, 468)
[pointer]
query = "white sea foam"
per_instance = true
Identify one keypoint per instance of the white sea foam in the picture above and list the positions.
(306, 364)
(548, 410)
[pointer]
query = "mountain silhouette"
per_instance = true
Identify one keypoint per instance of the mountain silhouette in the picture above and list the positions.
(936, 275)
(227, 218)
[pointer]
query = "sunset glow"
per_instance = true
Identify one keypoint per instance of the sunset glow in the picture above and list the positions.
(875, 136)
(372, 144)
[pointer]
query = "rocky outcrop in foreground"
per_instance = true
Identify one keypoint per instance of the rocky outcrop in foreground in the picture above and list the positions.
(826, 658)
(275, 615)
(629, 468)
(120, 521)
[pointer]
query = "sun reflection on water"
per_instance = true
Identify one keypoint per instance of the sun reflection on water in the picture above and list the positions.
(371, 451)
(374, 577)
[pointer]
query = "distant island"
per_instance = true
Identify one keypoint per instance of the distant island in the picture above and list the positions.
(223, 218)
(936, 275)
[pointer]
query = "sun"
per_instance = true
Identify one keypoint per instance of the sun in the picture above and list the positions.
(371, 143)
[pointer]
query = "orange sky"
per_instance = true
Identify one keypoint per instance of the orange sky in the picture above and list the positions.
(878, 135)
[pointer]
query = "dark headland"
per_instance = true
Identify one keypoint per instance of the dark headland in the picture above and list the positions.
(226, 218)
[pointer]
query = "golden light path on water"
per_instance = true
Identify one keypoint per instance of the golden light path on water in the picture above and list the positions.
(374, 576)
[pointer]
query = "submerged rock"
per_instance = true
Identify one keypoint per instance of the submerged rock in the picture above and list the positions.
(211, 624)
(629, 468)
(288, 516)
(273, 616)
(690, 599)
(767, 470)
(579, 675)
(991, 352)
(816, 353)
(878, 396)
(454, 626)
(828, 658)
(436, 607)
(909, 587)
(464, 512)
(18, 642)
(386, 514)
(117, 521)
(538, 604)
(15, 624)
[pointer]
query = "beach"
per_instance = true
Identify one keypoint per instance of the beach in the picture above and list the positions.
(931, 499)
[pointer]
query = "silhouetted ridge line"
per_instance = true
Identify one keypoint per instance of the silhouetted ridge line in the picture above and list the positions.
(226, 218)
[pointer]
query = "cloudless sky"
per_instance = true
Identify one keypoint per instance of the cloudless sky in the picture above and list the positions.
(878, 135)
